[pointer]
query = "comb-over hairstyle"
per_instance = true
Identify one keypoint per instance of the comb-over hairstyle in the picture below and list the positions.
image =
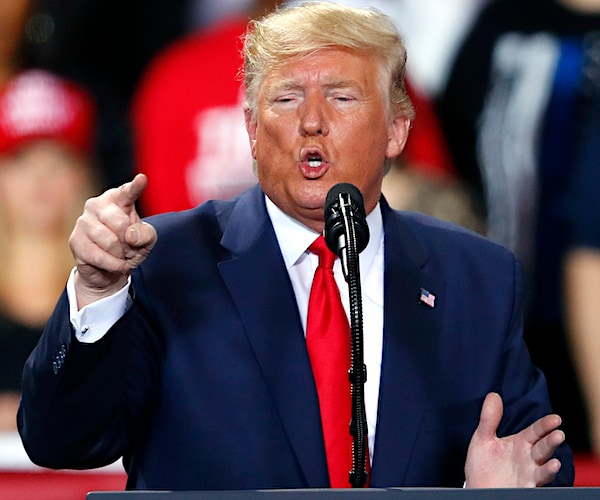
(292, 32)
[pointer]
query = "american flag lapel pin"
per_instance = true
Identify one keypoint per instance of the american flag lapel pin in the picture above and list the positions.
(427, 298)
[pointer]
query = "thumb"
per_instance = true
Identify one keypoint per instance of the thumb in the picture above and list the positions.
(491, 414)
(140, 235)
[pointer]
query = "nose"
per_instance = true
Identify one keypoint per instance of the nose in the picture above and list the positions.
(313, 120)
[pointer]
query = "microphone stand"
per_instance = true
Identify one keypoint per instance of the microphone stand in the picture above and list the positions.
(358, 370)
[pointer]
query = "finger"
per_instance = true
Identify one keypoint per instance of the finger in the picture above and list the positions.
(545, 447)
(105, 229)
(547, 472)
(491, 414)
(127, 194)
(114, 218)
(541, 427)
(91, 238)
(89, 253)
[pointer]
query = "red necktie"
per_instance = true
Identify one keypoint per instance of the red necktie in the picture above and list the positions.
(328, 343)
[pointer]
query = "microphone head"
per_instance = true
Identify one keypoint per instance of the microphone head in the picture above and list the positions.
(349, 189)
(348, 194)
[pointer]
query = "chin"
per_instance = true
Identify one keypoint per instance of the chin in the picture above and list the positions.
(313, 200)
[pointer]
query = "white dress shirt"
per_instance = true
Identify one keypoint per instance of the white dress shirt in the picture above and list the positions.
(93, 321)
(294, 240)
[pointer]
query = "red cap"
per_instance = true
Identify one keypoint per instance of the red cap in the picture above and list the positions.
(37, 104)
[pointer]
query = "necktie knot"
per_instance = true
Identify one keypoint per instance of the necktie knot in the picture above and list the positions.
(320, 248)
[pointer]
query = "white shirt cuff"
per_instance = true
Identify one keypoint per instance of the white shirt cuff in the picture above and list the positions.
(93, 321)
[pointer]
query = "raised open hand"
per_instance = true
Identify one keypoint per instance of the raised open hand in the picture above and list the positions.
(518, 461)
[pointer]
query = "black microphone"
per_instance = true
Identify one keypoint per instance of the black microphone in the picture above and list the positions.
(345, 218)
(347, 234)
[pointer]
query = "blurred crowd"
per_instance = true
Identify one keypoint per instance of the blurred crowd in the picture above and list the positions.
(505, 143)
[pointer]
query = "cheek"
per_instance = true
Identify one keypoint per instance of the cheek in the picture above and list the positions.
(365, 152)
(366, 146)
(273, 144)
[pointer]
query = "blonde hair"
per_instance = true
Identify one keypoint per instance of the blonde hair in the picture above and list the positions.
(296, 31)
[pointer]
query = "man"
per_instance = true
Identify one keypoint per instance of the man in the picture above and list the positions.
(198, 372)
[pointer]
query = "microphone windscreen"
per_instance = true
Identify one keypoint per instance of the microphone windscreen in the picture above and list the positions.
(354, 193)
(334, 225)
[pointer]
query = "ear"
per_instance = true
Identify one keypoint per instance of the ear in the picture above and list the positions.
(251, 127)
(398, 134)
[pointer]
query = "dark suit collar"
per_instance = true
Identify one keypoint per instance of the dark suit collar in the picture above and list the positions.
(248, 222)
(406, 245)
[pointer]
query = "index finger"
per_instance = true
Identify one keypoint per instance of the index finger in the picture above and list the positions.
(127, 194)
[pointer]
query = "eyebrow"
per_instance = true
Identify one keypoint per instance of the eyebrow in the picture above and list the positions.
(292, 84)
(286, 84)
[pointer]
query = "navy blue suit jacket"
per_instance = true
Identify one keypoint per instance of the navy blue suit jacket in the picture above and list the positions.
(205, 383)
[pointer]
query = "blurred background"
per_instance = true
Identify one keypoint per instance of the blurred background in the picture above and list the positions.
(505, 143)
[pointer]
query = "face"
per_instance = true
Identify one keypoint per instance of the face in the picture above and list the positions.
(41, 187)
(320, 121)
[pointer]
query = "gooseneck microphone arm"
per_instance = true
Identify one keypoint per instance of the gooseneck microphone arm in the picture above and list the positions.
(347, 234)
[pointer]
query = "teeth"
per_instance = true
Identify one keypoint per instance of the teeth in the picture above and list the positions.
(314, 162)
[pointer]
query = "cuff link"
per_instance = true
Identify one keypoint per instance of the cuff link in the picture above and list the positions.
(59, 358)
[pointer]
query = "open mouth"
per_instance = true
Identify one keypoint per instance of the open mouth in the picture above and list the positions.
(314, 160)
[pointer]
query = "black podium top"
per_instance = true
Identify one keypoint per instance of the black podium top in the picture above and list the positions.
(360, 494)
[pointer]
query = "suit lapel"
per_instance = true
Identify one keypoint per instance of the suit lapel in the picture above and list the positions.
(259, 284)
(411, 330)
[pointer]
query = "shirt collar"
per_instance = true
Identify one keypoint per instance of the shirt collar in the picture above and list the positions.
(294, 237)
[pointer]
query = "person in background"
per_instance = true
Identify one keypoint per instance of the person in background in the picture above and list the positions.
(187, 342)
(513, 116)
(582, 267)
(187, 118)
(46, 173)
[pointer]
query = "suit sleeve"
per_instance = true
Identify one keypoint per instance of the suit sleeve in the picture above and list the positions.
(83, 404)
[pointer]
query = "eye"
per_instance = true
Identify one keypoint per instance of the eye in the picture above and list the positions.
(285, 101)
(343, 100)
(285, 96)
